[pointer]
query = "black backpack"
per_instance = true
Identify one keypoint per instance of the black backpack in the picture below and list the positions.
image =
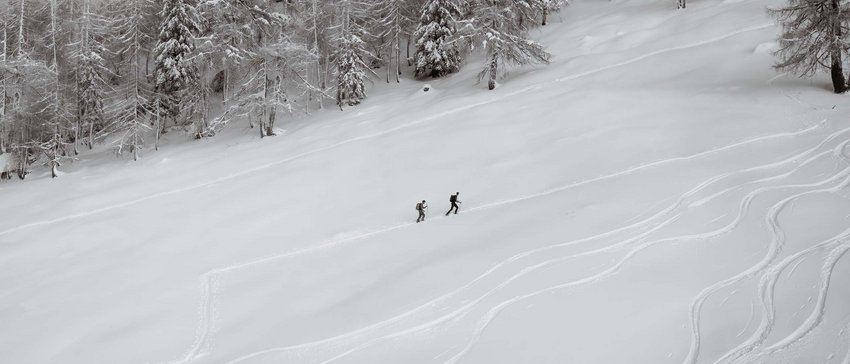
(453, 198)
(418, 206)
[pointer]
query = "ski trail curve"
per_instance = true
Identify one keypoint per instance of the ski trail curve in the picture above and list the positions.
(847, 354)
(777, 238)
(839, 246)
(209, 277)
(793, 158)
(516, 257)
(767, 284)
(491, 315)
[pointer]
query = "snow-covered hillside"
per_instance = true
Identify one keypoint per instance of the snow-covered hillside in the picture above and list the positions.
(658, 194)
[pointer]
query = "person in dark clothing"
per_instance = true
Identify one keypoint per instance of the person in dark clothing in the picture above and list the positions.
(454, 201)
(421, 208)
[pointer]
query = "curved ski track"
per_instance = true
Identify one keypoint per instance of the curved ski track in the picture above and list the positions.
(641, 230)
(202, 344)
(650, 225)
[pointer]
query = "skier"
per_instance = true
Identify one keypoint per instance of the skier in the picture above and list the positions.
(454, 201)
(421, 208)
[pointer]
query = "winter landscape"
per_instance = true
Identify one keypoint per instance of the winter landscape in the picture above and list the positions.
(234, 181)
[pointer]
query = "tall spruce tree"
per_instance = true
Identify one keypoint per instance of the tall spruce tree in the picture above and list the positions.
(174, 70)
(813, 38)
(437, 54)
(350, 67)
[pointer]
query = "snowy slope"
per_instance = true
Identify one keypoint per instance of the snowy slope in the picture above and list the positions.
(655, 195)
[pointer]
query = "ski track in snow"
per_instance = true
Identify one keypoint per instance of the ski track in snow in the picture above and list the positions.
(530, 268)
(483, 323)
(766, 284)
(839, 244)
(749, 321)
(846, 331)
(209, 280)
(489, 100)
(774, 248)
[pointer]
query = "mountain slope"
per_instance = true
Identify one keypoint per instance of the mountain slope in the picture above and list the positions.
(656, 194)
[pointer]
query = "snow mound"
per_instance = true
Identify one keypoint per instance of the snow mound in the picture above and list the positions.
(766, 47)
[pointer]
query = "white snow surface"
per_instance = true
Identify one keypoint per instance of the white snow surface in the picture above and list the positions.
(658, 194)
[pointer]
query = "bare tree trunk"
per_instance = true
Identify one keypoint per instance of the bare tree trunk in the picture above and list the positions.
(491, 82)
(839, 83)
(225, 77)
(397, 58)
(545, 14)
(158, 123)
(273, 107)
(272, 116)
(3, 96)
(23, 162)
(409, 61)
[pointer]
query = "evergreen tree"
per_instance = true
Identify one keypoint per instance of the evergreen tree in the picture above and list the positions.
(350, 67)
(813, 38)
(437, 53)
(174, 70)
(499, 26)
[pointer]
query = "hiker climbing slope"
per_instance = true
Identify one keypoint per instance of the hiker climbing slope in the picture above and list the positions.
(421, 208)
(453, 199)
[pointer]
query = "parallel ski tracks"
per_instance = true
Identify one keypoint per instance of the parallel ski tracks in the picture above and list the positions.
(210, 286)
(649, 225)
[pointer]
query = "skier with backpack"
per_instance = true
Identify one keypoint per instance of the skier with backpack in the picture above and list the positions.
(454, 201)
(421, 208)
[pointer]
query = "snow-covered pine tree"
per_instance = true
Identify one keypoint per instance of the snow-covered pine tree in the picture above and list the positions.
(350, 67)
(131, 109)
(437, 54)
(813, 38)
(174, 70)
(501, 31)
